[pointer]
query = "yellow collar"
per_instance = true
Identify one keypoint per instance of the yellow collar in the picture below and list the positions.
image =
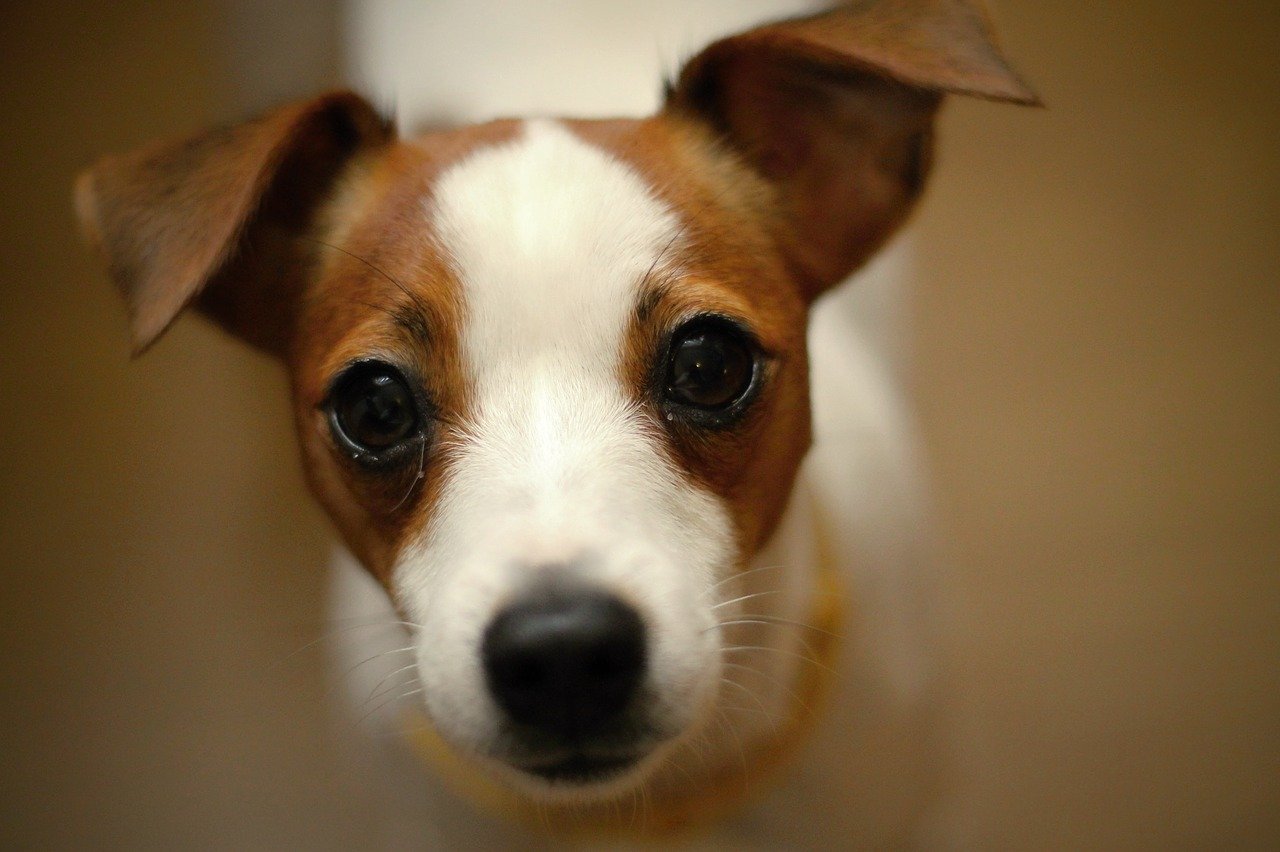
(699, 805)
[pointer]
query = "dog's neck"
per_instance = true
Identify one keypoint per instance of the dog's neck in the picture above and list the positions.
(782, 620)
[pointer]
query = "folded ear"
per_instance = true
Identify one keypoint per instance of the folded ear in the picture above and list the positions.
(836, 112)
(222, 216)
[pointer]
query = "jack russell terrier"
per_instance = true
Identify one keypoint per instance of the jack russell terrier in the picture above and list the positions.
(551, 383)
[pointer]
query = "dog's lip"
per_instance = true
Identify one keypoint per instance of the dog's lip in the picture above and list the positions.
(582, 768)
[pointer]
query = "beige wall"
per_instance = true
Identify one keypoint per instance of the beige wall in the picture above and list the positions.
(159, 554)
(1098, 372)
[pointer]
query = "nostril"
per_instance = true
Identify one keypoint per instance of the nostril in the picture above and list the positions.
(565, 661)
(522, 673)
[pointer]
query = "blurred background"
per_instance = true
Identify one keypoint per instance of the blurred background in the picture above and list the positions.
(1094, 318)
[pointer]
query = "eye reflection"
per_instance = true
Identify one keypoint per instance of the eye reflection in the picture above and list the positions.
(711, 366)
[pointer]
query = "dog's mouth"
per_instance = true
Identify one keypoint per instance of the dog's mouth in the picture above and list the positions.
(602, 760)
(582, 769)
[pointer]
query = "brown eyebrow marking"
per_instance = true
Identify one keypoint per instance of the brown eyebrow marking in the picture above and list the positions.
(412, 320)
(414, 297)
(650, 300)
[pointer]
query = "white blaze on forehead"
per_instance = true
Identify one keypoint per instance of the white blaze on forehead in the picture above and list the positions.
(550, 237)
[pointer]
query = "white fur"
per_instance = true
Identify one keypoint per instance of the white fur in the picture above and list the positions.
(557, 469)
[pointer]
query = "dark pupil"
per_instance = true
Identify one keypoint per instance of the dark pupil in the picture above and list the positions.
(709, 369)
(377, 412)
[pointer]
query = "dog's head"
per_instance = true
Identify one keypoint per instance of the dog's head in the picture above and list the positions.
(550, 377)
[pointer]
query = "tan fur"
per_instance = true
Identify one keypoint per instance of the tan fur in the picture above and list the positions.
(384, 288)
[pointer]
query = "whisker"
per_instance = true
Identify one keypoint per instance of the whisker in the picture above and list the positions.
(772, 679)
(757, 618)
(740, 574)
(746, 598)
(699, 745)
(771, 619)
(375, 620)
(414, 297)
(338, 681)
(388, 702)
(734, 708)
(379, 685)
(616, 802)
(772, 721)
(787, 651)
(688, 223)
(662, 254)
(329, 633)
(413, 486)
(679, 765)
(409, 682)
(725, 723)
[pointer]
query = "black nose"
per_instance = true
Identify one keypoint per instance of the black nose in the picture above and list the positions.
(565, 662)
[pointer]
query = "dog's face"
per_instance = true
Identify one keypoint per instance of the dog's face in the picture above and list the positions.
(558, 393)
(549, 377)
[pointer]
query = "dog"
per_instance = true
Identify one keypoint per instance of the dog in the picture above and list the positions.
(551, 382)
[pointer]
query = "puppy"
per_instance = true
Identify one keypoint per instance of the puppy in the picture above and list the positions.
(551, 383)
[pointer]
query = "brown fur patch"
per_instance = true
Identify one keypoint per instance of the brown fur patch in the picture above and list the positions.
(384, 291)
(172, 217)
(728, 265)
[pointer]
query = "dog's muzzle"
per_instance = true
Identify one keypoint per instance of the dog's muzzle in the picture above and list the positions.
(565, 665)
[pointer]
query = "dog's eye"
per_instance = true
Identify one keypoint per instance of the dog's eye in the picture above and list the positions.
(372, 408)
(712, 365)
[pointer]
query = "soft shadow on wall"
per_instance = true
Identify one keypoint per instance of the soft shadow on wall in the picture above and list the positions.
(160, 554)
